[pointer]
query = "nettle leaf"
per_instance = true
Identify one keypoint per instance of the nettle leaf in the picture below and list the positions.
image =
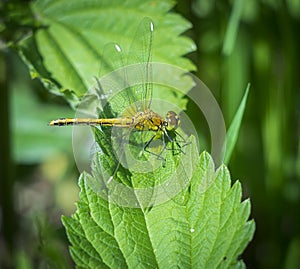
(205, 225)
(65, 53)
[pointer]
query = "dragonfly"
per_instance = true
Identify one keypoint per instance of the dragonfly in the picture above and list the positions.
(139, 116)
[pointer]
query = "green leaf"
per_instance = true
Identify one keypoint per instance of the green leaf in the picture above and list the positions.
(66, 53)
(82, 252)
(205, 225)
(232, 28)
(233, 131)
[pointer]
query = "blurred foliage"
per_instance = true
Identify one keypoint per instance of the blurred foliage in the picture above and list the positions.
(238, 42)
(265, 53)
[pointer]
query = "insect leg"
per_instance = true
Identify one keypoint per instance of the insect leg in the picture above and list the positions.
(148, 151)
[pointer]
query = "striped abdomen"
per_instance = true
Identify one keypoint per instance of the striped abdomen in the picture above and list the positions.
(119, 122)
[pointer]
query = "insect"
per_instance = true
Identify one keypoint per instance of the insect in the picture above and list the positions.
(139, 116)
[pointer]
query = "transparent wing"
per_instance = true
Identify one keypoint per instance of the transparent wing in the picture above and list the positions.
(114, 82)
(116, 73)
(140, 53)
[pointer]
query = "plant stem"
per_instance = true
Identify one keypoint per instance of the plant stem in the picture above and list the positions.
(6, 167)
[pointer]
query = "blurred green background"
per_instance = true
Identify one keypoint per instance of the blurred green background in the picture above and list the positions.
(240, 41)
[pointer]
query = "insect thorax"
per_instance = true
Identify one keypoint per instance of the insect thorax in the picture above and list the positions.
(148, 121)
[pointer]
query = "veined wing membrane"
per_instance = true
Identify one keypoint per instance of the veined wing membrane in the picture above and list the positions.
(132, 71)
(113, 65)
(140, 54)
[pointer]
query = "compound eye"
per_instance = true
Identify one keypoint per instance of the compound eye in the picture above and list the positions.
(172, 120)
